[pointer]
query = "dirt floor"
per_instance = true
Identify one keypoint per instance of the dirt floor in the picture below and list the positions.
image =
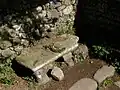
(72, 75)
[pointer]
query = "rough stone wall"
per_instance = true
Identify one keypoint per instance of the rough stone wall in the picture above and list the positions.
(20, 29)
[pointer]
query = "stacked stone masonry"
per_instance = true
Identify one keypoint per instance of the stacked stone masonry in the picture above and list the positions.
(19, 31)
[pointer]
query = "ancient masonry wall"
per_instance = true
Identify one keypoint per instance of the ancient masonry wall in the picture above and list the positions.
(19, 30)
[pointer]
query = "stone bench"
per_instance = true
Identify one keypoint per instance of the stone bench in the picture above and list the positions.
(46, 51)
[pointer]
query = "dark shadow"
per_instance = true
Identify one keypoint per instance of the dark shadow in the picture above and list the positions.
(97, 22)
(49, 73)
(20, 70)
(60, 60)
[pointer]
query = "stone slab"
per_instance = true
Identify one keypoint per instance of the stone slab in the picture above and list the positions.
(103, 73)
(84, 84)
(45, 51)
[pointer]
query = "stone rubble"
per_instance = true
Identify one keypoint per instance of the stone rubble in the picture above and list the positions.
(68, 10)
(5, 44)
(40, 21)
(7, 53)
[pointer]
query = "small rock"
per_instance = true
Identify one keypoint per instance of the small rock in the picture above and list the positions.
(6, 53)
(68, 10)
(15, 40)
(61, 8)
(41, 76)
(68, 59)
(17, 27)
(103, 73)
(22, 35)
(11, 48)
(12, 33)
(18, 48)
(37, 32)
(57, 4)
(29, 20)
(54, 13)
(39, 9)
(5, 44)
(42, 79)
(67, 2)
(46, 5)
(73, 1)
(57, 73)
(81, 50)
(85, 84)
(49, 14)
(46, 26)
(43, 13)
(117, 83)
(24, 42)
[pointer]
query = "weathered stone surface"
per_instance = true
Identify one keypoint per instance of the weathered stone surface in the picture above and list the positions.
(54, 13)
(42, 79)
(49, 15)
(23, 30)
(39, 9)
(67, 2)
(6, 53)
(41, 74)
(61, 8)
(68, 59)
(57, 4)
(18, 49)
(5, 44)
(57, 73)
(16, 40)
(103, 73)
(48, 50)
(85, 84)
(82, 51)
(24, 42)
(16, 27)
(43, 14)
(73, 1)
(68, 10)
(117, 83)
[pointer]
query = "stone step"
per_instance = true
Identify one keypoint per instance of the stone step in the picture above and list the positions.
(84, 84)
(47, 51)
(103, 73)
